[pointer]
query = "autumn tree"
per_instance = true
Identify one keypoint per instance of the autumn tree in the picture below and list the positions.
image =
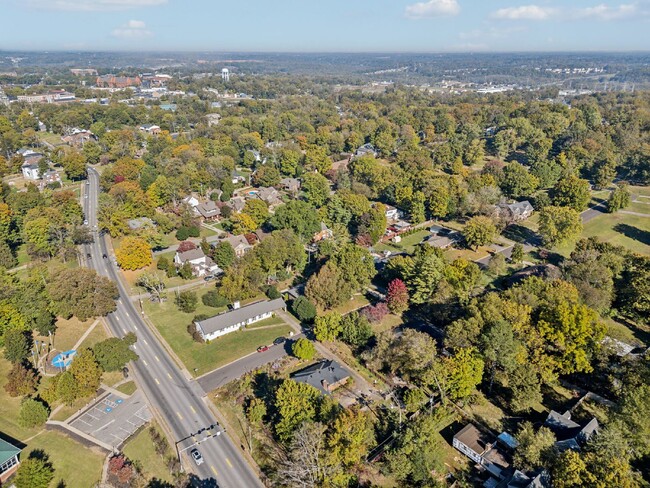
(571, 192)
(479, 231)
(22, 380)
(397, 296)
(81, 292)
(134, 253)
(559, 224)
(86, 372)
(257, 210)
(295, 403)
(349, 437)
(327, 327)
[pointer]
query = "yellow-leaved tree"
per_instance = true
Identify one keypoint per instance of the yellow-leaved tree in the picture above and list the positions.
(134, 253)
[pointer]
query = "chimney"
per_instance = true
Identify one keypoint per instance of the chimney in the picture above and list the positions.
(235, 305)
(325, 384)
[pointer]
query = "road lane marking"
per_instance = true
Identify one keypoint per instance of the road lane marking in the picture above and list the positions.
(117, 318)
(145, 342)
(214, 471)
(157, 358)
(145, 363)
(124, 330)
(192, 409)
(136, 327)
(169, 376)
(157, 382)
(127, 314)
(229, 463)
(179, 415)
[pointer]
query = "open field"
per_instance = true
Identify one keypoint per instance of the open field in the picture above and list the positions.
(68, 332)
(141, 448)
(74, 464)
(97, 335)
(202, 358)
(407, 243)
(127, 388)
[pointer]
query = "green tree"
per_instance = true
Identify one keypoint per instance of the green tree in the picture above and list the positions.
(634, 412)
(327, 327)
(465, 369)
(299, 216)
(517, 255)
(559, 224)
(295, 403)
(462, 276)
(414, 398)
(356, 265)
(303, 349)
(81, 292)
(34, 472)
(18, 344)
(517, 182)
(355, 329)
(328, 288)
(74, 164)
(535, 447)
(214, 299)
(66, 388)
(255, 411)
(87, 372)
(223, 254)
(257, 210)
(479, 231)
(303, 309)
(633, 290)
(113, 354)
(266, 176)
(618, 199)
(33, 413)
(316, 189)
(569, 470)
(571, 192)
(187, 301)
(350, 437)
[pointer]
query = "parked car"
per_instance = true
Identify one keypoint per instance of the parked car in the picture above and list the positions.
(262, 348)
(279, 340)
(196, 455)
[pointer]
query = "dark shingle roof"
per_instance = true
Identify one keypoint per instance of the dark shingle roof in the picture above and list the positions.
(328, 371)
(238, 315)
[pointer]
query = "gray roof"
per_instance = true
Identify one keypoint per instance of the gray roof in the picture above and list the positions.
(208, 209)
(326, 371)
(135, 224)
(473, 438)
(239, 315)
(191, 255)
(236, 241)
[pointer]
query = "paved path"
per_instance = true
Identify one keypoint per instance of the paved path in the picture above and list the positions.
(86, 334)
(638, 214)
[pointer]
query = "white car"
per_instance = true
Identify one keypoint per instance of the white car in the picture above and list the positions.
(196, 455)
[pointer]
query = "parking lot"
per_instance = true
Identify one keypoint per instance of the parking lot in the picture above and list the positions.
(112, 419)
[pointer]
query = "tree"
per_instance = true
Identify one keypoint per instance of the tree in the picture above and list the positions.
(618, 199)
(349, 438)
(22, 380)
(303, 309)
(74, 164)
(299, 216)
(214, 299)
(356, 265)
(479, 231)
(517, 182)
(634, 412)
(303, 349)
(462, 276)
(535, 447)
(571, 192)
(33, 413)
(316, 189)
(154, 284)
(355, 329)
(327, 327)
(295, 403)
(497, 264)
(187, 301)
(34, 472)
(242, 223)
(112, 354)
(223, 254)
(86, 372)
(66, 388)
(306, 464)
(81, 292)
(569, 470)
(328, 288)
(266, 175)
(18, 344)
(7, 258)
(257, 210)
(517, 255)
(134, 253)
(465, 369)
(185, 246)
(414, 398)
(559, 224)
(255, 411)
(397, 296)
(633, 289)
(185, 271)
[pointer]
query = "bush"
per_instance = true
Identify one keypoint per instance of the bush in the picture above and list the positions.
(356, 329)
(196, 335)
(376, 313)
(304, 309)
(33, 413)
(272, 292)
(187, 301)
(303, 349)
(193, 231)
(163, 263)
(214, 299)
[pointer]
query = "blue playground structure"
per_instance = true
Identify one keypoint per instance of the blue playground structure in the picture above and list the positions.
(63, 359)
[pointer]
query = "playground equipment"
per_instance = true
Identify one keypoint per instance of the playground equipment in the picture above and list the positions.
(63, 360)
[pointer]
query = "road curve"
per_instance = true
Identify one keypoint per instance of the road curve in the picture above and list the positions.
(178, 400)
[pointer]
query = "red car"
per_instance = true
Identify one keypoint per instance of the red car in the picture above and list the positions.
(262, 348)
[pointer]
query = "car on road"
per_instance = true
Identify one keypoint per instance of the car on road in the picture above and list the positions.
(196, 455)
(88, 255)
(104, 256)
(209, 278)
(279, 340)
(85, 222)
(262, 348)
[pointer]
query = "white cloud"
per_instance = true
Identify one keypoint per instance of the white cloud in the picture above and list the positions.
(525, 12)
(432, 8)
(133, 29)
(93, 5)
(605, 12)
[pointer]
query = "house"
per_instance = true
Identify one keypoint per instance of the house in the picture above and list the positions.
(366, 150)
(30, 171)
(239, 244)
(8, 460)
(201, 264)
(139, 223)
(191, 200)
(443, 241)
(213, 119)
(514, 212)
(150, 129)
(481, 449)
(323, 233)
(208, 210)
(291, 185)
(112, 81)
(237, 318)
(269, 195)
(520, 480)
(569, 434)
(237, 204)
(326, 376)
(391, 212)
(78, 137)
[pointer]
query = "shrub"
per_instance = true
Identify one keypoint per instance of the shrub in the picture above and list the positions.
(214, 299)
(187, 301)
(272, 292)
(33, 413)
(304, 309)
(303, 349)
(376, 313)
(196, 335)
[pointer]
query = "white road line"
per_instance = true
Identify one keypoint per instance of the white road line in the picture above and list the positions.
(157, 382)
(157, 358)
(144, 362)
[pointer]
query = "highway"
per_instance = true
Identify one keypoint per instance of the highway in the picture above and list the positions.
(178, 400)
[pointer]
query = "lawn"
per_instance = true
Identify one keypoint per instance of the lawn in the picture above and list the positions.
(68, 332)
(10, 408)
(407, 243)
(271, 321)
(97, 335)
(74, 464)
(172, 324)
(141, 448)
(127, 388)
(355, 303)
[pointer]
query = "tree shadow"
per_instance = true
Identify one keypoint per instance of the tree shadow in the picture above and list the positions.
(643, 236)
(195, 482)
(519, 233)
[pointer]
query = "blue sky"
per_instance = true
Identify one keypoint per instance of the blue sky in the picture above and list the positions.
(326, 25)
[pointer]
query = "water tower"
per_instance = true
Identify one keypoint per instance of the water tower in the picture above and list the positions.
(225, 74)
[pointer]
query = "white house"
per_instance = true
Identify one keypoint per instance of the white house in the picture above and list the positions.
(481, 449)
(237, 318)
(392, 213)
(30, 171)
(202, 265)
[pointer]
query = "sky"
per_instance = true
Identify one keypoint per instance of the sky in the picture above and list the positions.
(326, 25)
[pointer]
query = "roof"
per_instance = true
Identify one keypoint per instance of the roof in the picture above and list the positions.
(508, 440)
(139, 222)
(208, 209)
(473, 438)
(7, 451)
(236, 241)
(326, 372)
(191, 255)
(239, 315)
(562, 425)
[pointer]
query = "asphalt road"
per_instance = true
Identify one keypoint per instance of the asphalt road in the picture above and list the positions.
(176, 399)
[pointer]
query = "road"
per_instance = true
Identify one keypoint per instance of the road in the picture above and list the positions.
(178, 401)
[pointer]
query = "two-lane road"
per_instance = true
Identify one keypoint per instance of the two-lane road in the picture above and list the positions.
(178, 400)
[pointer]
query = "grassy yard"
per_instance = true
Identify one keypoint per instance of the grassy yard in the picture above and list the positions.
(10, 408)
(68, 332)
(172, 324)
(141, 448)
(407, 243)
(356, 302)
(97, 335)
(271, 321)
(74, 464)
(127, 388)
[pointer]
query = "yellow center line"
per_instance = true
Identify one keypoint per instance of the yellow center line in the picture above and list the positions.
(169, 376)
(229, 463)
(214, 470)
(157, 382)
(192, 409)
(179, 415)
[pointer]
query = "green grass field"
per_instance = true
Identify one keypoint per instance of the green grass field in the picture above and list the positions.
(172, 324)
(10, 408)
(407, 244)
(127, 388)
(73, 463)
(141, 448)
